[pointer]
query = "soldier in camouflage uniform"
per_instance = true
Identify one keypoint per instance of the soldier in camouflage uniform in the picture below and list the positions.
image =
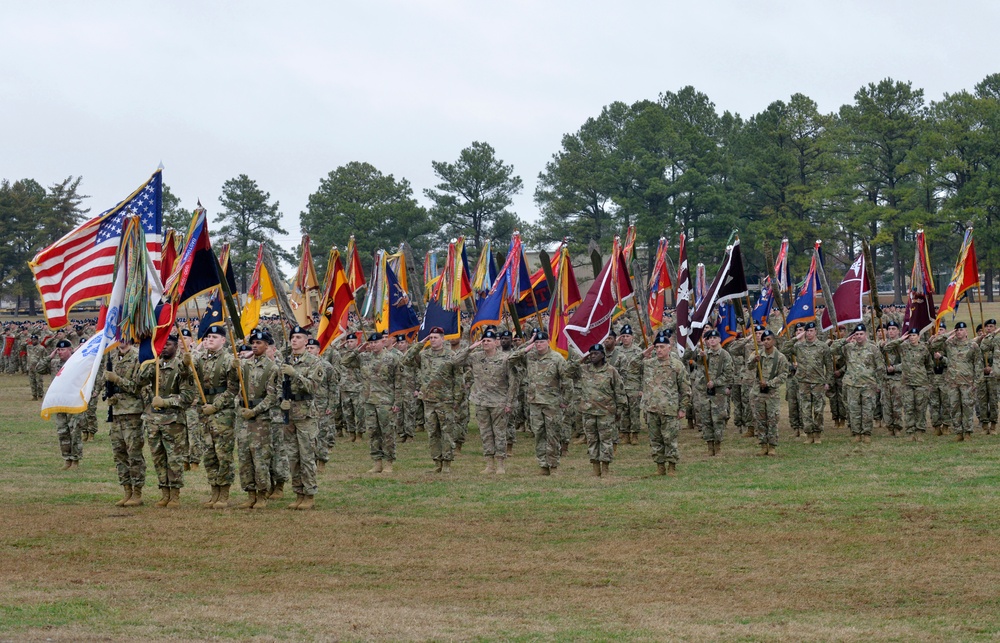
(792, 390)
(629, 367)
(67, 425)
(892, 402)
(814, 372)
(164, 418)
(216, 369)
(772, 367)
(406, 383)
(989, 388)
(127, 439)
(665, 396)
(462, 402)
(494, 387)
(711, 391)
(327, 390)
(516, 419)
(917, 366)
(279, 455)
(36, 355)
(303, 372)
(604, 402)
(378, 370)
(742, 408)
(254, 441)
(548, 380)
(195, 439)
(964, 362)
(863, 378)
(437, 383)
(351, 388)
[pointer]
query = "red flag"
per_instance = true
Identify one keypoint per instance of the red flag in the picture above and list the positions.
(564, 300)
(920, 312)
(591, 322)
(355, 273)
(965, 276)
(683, 297)
(337, 299)
(659, 282)
(847, 299)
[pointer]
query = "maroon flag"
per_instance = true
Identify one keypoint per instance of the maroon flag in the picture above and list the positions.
(847, 299)
(920, 311)
(591, 322)
(683, 299)
(729, 283)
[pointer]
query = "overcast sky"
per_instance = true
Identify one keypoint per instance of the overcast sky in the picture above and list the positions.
(285, 92)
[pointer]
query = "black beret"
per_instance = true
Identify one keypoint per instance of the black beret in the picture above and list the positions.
(374, 337)
(64, 343)
(892, 324)
(766, 334)
(312, 342)
(758, 327)
(489, 334)
(991, 321)
(661, 339)
(257, 335)
(810, 325)
(597, 348)
(913, 331)
(215, 329)
(298, 330)
(185, 332)
(859, 328)
(712, 333)
(400, 338)
(961, 325)
(505, 333)
(541, 335)
(626, 330)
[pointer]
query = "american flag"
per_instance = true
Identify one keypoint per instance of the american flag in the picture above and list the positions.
(80, 266)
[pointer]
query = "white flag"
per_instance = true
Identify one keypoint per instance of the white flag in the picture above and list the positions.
(73, 385)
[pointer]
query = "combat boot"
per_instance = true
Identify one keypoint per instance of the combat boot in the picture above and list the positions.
(510, 448)
(249, 502)
(817, 438)
(208, 504)
(491, 466)
(857, 437)
(320, 466)
(718, 448)
(354, 437)
(223, 501)
(564, 449)
(866, 439)
(959, 437)
(458, 447)
(771, 450)
(582, 439)
(74, 464)
(918, 436)
(162, 502)
(438, 466)
(711, 447)
(596, 466)
(661, 468)
(136, 499)
(387, 466)
(308, 502)
(544, 471)
(175, 498)
(605, 469)
(261, 501)
(186, 466)
(763, 450)
(194, 466)
(85, 437)
(672, 469)
(500, 467)
(445, 466)
(376, 468)
(128, 494)
(937, 429)
(278, 492)
(298, 501)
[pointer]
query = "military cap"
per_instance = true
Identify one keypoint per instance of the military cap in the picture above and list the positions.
(961, 325)
(489, 334)
(666, 332)
(810, 325)
(979, 328)
(64, 343)
(216, 329)
(799, 325)
(712, 333)
(913, 331)
(312, 342)
(242, 348)
(374, 337)
(298, 330)
(859, 328)
(34, 338)
(892, 324)
(400, 338)
(661, 339)
(612, 333)
(185, 332)
(505, 333)
(268, 336)
(942, 324)
(991, 321)
(172, 338)
(597, 348)
(541, 335)
(257, 335)
(766, 334)
(626, 330)
(757, 328)
(436, 330)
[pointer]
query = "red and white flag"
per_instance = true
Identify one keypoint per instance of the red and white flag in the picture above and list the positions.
(591, 322)
(847, 299)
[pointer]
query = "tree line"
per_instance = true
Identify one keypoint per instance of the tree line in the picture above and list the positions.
(878, 168)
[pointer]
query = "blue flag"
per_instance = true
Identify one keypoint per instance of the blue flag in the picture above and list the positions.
(762, 309)
(435, 315)
(727, 326)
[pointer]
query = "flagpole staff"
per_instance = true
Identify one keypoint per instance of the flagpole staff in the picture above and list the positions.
(239, 366)
(769, 260)
(194, 370)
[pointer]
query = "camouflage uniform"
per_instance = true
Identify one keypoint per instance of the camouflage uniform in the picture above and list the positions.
(989, 387)
(410, 414)
(351, 388)
(494, 387)
(327, 391)
(964, 361)
(380, 397)
(301, 431)
(767, 405)
(892, 392)
(463, 382)
(437, 384)
(917, 366)
(516, 419)
(814, 372)
(165, 428)
(548, 381)
(68, 426)
(127, 405)
(863, 375)
(36, 355)
(254, 441)
(744, 379)
(629, 367)
(665, 392)
(604, 402)
(711, 411)
(220, 383)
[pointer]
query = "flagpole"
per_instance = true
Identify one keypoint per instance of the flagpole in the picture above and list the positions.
(769, 260)
(194, 370)
(239, 366)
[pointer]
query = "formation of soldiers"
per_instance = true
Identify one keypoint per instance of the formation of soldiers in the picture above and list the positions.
(271, 410)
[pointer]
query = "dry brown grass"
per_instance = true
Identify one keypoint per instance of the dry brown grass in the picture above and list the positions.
(896, 542)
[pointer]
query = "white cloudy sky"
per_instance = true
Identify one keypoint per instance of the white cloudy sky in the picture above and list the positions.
(287, 91)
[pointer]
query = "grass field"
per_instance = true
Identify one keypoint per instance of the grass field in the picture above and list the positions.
(896, 541)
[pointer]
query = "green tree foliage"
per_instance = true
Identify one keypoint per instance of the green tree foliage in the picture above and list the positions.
(474, 195)
(174, 216)
(249, 219)
(376, 208)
